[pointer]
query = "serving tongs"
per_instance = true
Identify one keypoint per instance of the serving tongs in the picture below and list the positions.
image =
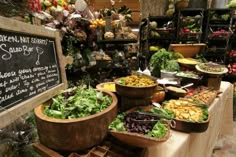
(157, 118)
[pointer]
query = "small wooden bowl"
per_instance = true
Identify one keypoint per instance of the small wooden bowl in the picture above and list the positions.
(159, 95)
(175, 94)
(135, 92)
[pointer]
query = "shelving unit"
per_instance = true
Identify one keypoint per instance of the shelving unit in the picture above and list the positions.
(217, 34)
(121, 62)
(161, 36)
(231, 55)
(189, 25)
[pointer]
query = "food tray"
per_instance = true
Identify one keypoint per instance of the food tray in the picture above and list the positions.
(188, 126)
(206, 96)
(211, 65)
(188, 62)
(136, 139)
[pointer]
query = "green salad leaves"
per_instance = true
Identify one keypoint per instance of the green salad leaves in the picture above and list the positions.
(77, 102)
(164, 60)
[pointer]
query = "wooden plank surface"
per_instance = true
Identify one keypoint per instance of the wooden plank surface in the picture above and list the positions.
(45, 151)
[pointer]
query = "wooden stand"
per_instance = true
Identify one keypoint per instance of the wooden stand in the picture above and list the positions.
(128, 103)
(214, 81)
(107, 149)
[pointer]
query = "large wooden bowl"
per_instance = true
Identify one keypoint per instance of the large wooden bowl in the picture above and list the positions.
(75, 134)
(187, 50)
(135, 92)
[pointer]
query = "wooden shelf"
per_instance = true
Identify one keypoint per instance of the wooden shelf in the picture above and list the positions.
(117, 41)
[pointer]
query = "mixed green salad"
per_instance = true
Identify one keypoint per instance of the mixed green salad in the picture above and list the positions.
(146, 123)
(77, 102)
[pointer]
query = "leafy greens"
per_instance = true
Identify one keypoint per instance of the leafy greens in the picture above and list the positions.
(164, 60)
(77, 102)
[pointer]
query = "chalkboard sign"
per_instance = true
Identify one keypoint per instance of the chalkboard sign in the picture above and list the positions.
(31, 68)
(28, 66)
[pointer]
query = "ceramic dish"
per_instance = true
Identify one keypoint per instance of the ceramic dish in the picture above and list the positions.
(219, 68)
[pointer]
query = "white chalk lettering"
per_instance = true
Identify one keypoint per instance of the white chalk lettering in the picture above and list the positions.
(42, 89)
(41, 74)
(32, 93)
(26, 83)
(35, 80)
(21, 91)
(5, 38)
(27, 50)
(7, 74)
(3, 84)
(51, 75)
(45, 68)
(11, 50)
(16, 79)
(40, 84)
(24, 39)
(50, 80)
(6, 56)
(39, 41)
(52, 71)
(12, 87)
(24, 71)
(6, 97)
(23, 77)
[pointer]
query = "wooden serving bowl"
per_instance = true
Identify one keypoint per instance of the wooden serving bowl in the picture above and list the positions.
(140, 140)
(135, 92)
(187, 126)
(75, 134)
(174, 94)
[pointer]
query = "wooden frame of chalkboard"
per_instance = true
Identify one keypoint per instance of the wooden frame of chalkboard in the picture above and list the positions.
(32, 68)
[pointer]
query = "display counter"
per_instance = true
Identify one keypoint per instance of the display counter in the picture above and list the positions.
(182, 144)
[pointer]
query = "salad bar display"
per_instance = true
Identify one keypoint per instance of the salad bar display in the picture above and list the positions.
(184, 56)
